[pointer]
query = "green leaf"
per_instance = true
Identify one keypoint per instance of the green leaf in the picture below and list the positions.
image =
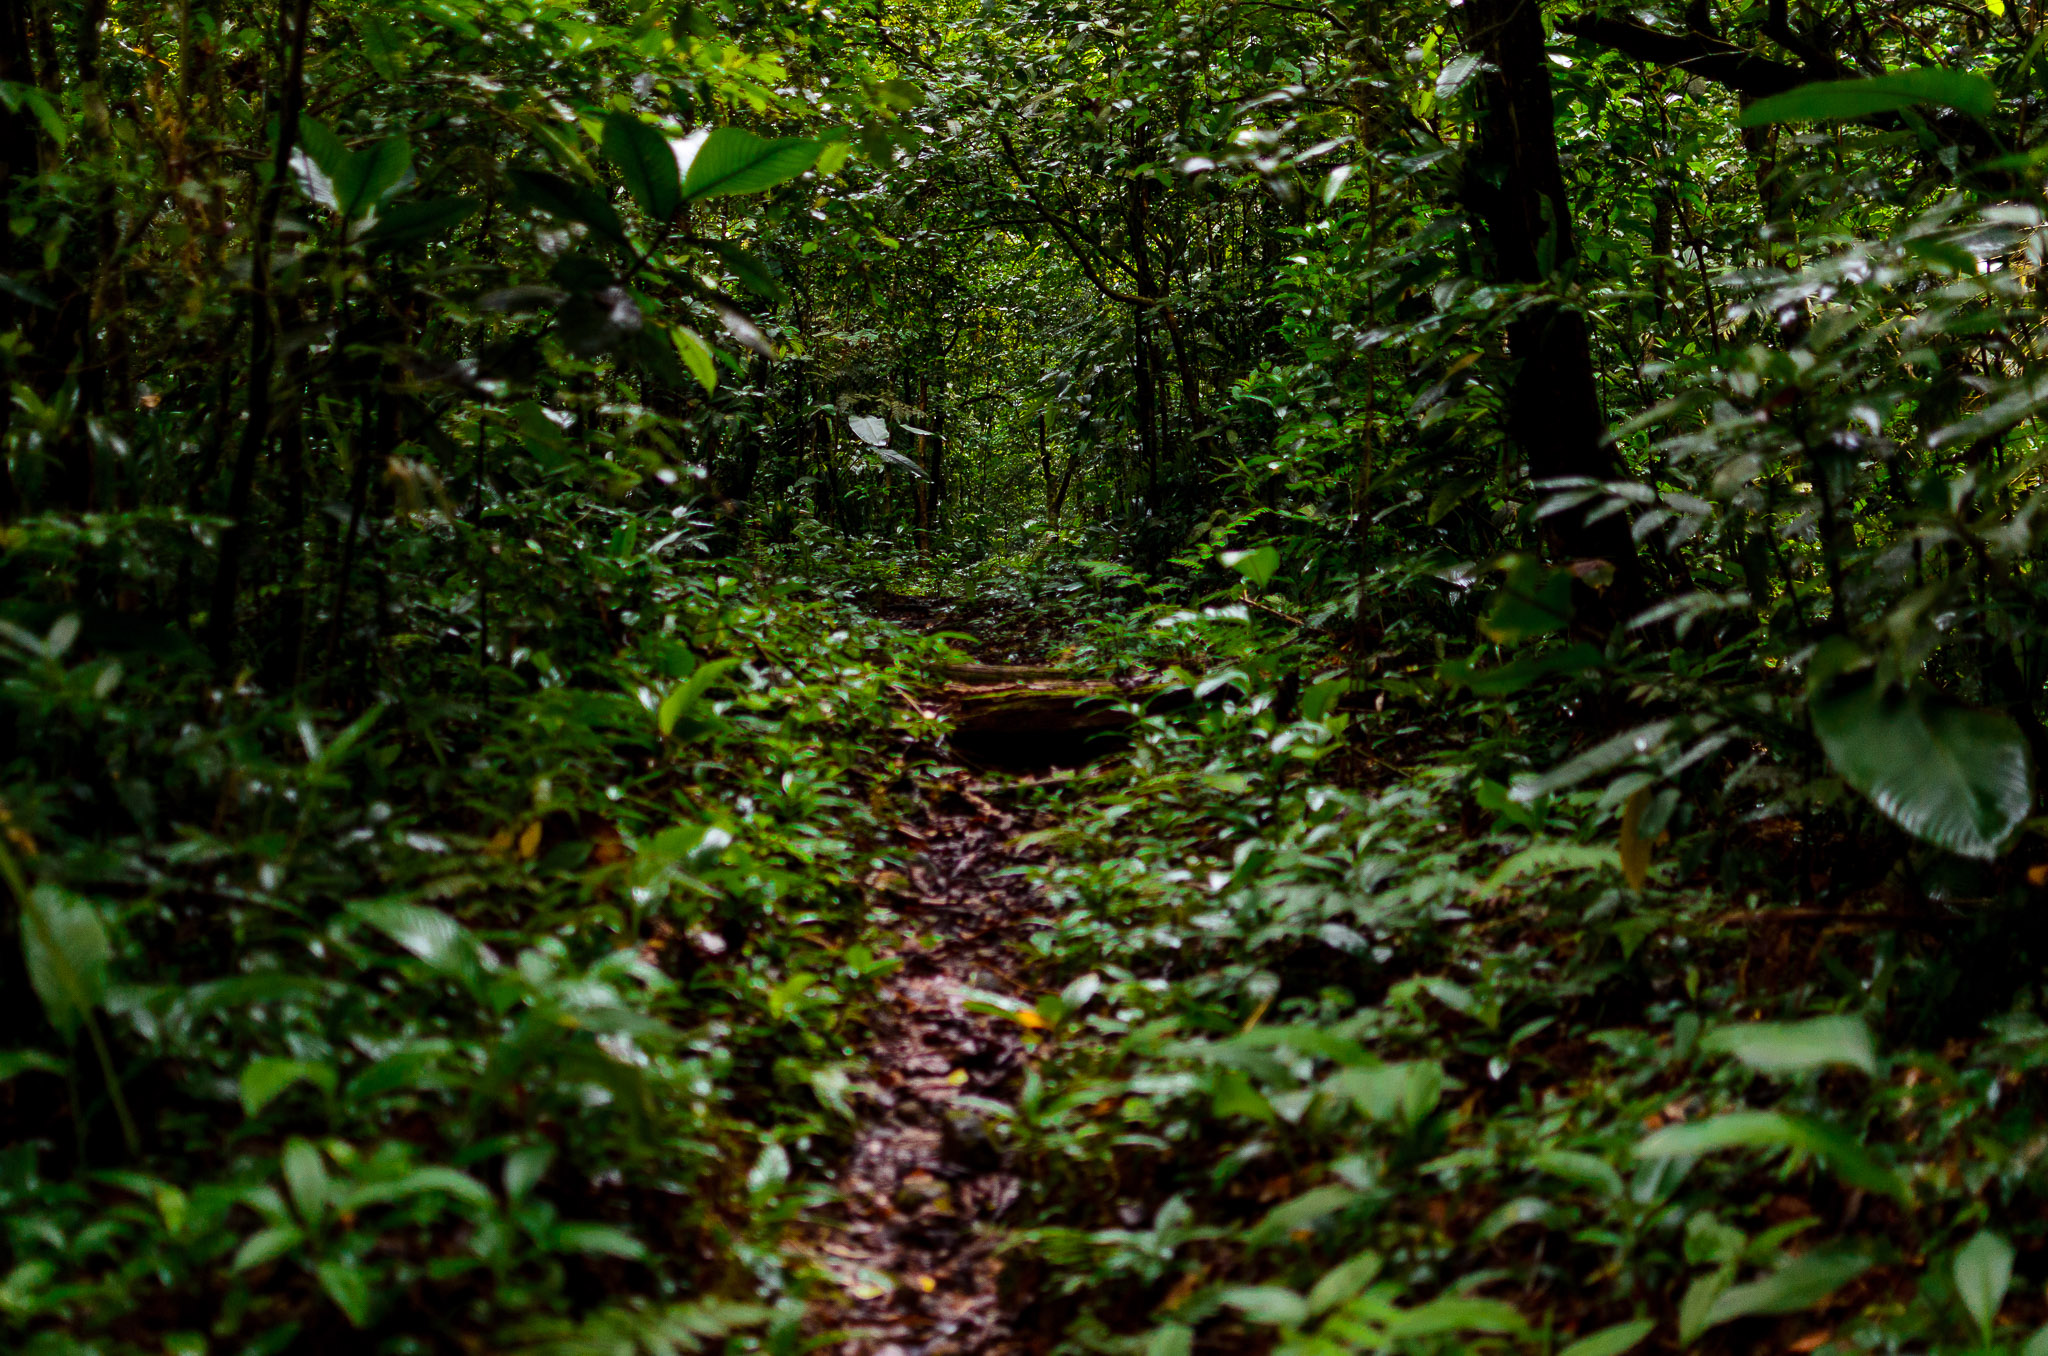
(418, 1182)
(1797, 1047)
(66, 947)
(349, 1288)
(734, 160)
(1548, 859)
(1532, 601)
(548, 192)
(1799, 1284)
(1232, 1094)
(1611, 1341)
(600, 1239)
(1257, 566)
(319, 160)
(690, 692)
(264, 1079)
(1343, 1282)
(1170, 1339)
(433, 936)
(1399, 1094)
(428, 219)
(2037, 1345)
(305, 1176)
(1833, 99)
(1518, 673)
(1270, 1304)
(1955, 776)
(14, 1063)
(645, 161)
(750, 271)
(696, 355)
(1585, 1169)
(1451, 1313)
(1302, 1212)
(267, 1245)
(1773, 1130)
(1983, 1272)
(368, 175)
(770, 1171)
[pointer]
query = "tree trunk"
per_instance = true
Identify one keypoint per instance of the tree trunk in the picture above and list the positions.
(1554, 411)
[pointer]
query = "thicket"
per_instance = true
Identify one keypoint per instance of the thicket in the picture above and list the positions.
(1582, 463)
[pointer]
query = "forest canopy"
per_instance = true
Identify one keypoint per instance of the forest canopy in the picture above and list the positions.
(1058, 676)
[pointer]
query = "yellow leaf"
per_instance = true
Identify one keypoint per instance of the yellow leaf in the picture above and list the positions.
(1635, 850)
(956, 1078)
(529, 842)
(927, 1284)
(1029, 1017)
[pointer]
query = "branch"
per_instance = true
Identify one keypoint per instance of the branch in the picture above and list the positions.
(1695, 53)
(1067, 234)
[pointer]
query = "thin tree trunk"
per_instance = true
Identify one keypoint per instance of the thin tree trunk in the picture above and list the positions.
(1553, 412)
(220, 620)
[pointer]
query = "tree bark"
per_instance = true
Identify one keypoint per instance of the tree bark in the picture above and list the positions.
(1553, 413)
(220, 618)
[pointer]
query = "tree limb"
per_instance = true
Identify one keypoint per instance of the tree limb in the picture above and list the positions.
(1699, 54)
(1067, 234)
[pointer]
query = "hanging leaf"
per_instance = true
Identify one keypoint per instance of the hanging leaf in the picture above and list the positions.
(734, 160)
(646, 163)
(1956, 776)
(371, 175)
(870, 429)
(265, 1079)
(696, 355)
(66, 947)
(558, 197)
(426, 220)
(1519, 672)
(1256, 565)
(1838, 99)
(1533, 600)
(749, 270)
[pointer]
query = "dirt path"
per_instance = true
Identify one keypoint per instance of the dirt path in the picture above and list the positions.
(915, 1245)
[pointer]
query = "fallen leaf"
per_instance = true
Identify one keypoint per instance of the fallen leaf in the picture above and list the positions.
(1811, 1341)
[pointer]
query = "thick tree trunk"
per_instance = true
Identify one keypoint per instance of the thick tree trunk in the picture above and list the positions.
(1554, 411)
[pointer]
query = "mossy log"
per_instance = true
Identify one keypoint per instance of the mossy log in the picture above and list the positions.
(1011, 699)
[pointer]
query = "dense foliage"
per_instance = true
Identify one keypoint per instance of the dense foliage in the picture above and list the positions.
(489, 489)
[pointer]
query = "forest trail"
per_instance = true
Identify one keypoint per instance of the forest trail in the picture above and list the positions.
(915, 1241)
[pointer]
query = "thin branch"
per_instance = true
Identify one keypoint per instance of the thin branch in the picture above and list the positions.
(1070, 236)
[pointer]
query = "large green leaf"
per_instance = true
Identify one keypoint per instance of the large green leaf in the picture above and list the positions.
(644, 160)
(367, 175)
(1953, 775)
(1533, 600)
(734, 160)
(1836, 99)
(66, 948)
(1983, 1273)
(1798, 1284)
(551, 193)
(1773, 1130)
(1797, 1047)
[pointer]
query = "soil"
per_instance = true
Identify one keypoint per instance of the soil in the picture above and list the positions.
(916, 1245)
